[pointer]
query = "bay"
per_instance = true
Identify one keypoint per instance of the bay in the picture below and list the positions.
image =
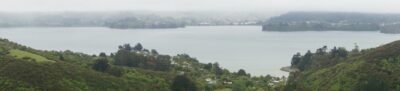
(233, 47)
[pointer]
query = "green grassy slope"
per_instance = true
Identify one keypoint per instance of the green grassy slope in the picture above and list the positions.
(23, 54)
(72, 72)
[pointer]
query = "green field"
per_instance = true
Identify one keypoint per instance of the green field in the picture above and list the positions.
(21, 54)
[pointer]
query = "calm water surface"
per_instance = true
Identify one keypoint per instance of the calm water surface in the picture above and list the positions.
(234, 47)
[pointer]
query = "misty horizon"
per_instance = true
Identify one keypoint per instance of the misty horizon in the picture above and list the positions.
(367, 6)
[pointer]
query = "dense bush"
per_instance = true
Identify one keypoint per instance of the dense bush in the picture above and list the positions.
(375, 69)
(183, 83)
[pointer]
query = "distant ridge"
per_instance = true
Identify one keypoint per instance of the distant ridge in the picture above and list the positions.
(338, 21)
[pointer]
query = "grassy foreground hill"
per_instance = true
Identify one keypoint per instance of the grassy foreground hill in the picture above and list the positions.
(375, 69)
(129, 69)
(26, 69)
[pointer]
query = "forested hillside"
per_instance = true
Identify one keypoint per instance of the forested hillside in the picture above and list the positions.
(375, 69)
(129, 69)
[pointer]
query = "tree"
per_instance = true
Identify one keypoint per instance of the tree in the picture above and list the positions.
(136, 59)
(242, 72)
(102, 54)
(138, 47)
(307, 56)
(127, 47)
(321, 51)
(112, 55)
(146, 50)
(208, 66)
(339, 52)
(342, 52)
(305, 61)
(163, 63)
(120, 47)
(334, 52)
(356, 49)
(217, 70)
(122, 57)
(101, 64)
(154, 52)
(183, 83)
(125, 57)
(296, 59)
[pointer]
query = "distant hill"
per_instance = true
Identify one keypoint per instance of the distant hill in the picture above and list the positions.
(375, 69)
(149, 23)
(338, 21)
(117, 20)
(129, 19)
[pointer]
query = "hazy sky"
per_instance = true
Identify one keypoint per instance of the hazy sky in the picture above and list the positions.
(202, 5)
